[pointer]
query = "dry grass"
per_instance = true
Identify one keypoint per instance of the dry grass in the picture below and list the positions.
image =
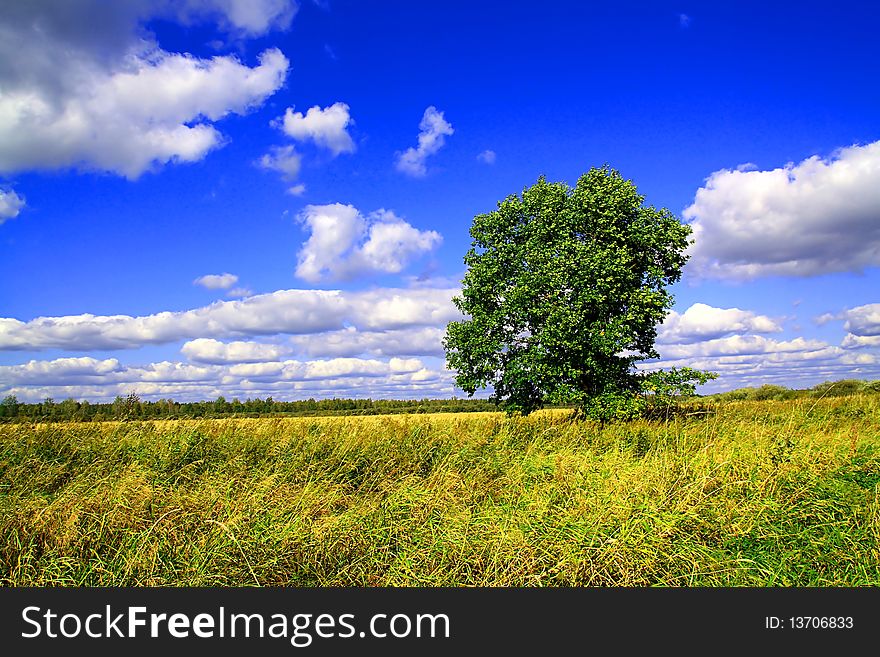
(757, 494)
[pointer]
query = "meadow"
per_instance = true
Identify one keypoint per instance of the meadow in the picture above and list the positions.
(752, 493)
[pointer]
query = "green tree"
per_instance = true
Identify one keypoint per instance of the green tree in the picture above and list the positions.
(125, 408)
(220, 405)
(9, 406)
(563, 293)
(67, 409)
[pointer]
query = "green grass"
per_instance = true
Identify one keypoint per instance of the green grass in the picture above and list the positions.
(771, 493)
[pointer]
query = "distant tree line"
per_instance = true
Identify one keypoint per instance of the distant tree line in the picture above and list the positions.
(134, 408)
(842, 388)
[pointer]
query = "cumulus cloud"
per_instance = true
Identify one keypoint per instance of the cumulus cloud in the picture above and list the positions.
(388, 308)
(704, 322)
(85, 86)
(825, 318)
(10, 205)
(392, 242)
(242, 18)
(851, 341)
(813, 217)
(70, 370)
(326, 127)
(290, 379)
(283, 159)
(372, 343)
(334, 229)
(744, 361)
(487, 157)
(863, 320)
(206, 350)
(350, 341)
(739, 345)
(238, 292)
(433, 130)
(79, 370)
(294, 312)
(725, 341)
(216, 281)
(343, 243)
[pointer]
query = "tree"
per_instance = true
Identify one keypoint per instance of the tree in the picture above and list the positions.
(9, 406)
(220, 405)
(125, 408)
(68, 408)
(563, 293)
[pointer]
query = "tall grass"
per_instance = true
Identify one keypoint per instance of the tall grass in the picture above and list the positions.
(756, 494)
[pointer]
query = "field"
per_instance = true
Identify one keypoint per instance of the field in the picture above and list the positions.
(769, 493)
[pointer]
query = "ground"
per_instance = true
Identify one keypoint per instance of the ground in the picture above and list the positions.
(769, 493)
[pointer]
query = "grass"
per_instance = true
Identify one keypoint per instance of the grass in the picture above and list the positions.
(771, 493)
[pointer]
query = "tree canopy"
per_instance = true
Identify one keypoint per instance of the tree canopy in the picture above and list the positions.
(563, 293)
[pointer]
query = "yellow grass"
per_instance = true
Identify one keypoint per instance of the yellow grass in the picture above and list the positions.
(756, 494)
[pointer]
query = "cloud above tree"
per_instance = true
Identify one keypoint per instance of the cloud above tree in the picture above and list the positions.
(327, 128)
(344, 243)
(433, 130)
(814, 217)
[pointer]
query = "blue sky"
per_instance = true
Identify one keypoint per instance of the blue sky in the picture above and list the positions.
(328, 157)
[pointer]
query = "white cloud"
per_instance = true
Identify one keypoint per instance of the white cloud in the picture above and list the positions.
(333, 229)
(421, 341)
(326, 127)
(392, 242)
(238, 292)
(206, 350)
(343, 243)
(371, 344)
(10, 205)
(739, 345)
(825, 318)
(863, 320)
(383, 309)
(433, 130)
(723, 341)
(702, 322)
(851, 341)
(85, 86)
(290, 379)
(70, 371)
(487, 157)
(283, 159)
(244, 18)
(744, 361)
(294, 312)
(73, 370)
(216, 281)
(810, 218)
